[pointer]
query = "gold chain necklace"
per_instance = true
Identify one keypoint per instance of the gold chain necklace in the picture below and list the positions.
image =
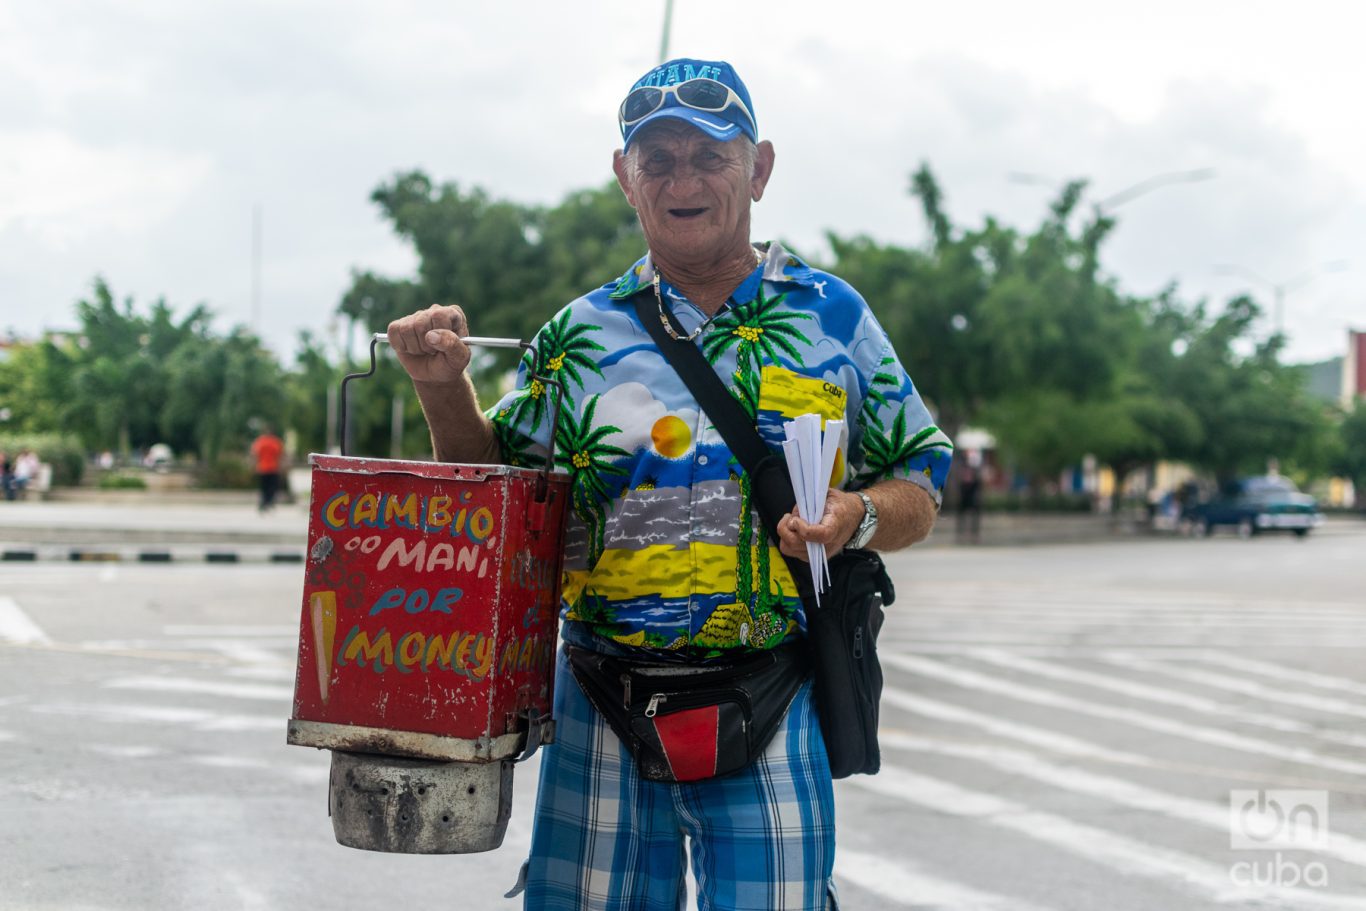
(664, 317)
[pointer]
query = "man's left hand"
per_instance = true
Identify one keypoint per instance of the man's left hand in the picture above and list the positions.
(843, 513)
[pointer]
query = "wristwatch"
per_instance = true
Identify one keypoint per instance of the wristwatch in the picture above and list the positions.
(868, 527)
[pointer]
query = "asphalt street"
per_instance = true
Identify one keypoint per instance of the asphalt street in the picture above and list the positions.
(1062, 729)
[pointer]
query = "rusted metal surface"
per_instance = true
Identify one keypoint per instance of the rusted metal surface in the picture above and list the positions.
(381, 803)
(430, 598)
(353, 738)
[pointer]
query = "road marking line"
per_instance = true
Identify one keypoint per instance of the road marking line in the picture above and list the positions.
(281, 674)
(1119, 637)
(1176, 698)
(241, 651)
(1162, 624)
(246, 895)
(16, 627)
(1064, 745)
(291, 632)
(899, 882)
(122, 751)
(1011, 730)
(1113, 713)
(894, 640)
(1172, 868)
(197, 719)
(1280, 672)
(1108, 603)
(1027, 594)
(1237, 685)
(1115, 790)
(307, 774)
(211, 687)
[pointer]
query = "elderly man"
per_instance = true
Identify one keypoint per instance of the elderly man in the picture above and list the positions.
(665, 559)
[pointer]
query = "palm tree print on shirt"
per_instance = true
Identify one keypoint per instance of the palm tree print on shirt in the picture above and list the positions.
(579, 447)
(517, 448)
(561, 351)
(758, 330)
(876, 397)
(885, 450)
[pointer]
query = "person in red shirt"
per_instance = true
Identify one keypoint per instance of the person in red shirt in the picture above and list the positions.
(267, 449)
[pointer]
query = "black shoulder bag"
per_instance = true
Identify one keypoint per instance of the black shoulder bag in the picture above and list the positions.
(842, 631)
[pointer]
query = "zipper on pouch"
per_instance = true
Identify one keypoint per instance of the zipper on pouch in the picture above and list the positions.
(681, 701)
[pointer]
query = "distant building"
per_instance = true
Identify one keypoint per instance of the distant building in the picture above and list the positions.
(1323, 379)
(1354, 369)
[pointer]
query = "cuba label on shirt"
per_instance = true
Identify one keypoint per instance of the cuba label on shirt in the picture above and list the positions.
(785, 394)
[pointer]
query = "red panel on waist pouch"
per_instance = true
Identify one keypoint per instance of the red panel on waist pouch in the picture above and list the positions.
(689, 741)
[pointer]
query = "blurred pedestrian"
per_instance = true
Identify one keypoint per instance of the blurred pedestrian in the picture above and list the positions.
(26, 467)
(6, 475)
(969, 520)
(267, 450)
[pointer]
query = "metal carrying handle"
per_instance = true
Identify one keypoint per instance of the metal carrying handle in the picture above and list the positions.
(482, 342)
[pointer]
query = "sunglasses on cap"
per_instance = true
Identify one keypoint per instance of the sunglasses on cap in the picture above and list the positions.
(700, 94)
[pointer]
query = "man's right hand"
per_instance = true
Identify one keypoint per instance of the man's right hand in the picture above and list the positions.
(428, 344)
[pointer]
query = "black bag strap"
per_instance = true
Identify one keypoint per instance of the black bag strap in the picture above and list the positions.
(767, 470)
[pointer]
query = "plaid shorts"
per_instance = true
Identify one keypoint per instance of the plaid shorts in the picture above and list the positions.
(605, 839)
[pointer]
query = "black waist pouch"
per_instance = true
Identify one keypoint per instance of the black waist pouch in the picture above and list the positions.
(690, 722)
(842, 633)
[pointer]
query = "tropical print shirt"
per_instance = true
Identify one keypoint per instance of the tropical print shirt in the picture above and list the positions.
(664, 547)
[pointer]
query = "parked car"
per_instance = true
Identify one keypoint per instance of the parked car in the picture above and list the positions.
(1255, 505)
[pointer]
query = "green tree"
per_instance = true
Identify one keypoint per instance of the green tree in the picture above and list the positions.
(509, 266)
(119, 377)
(982, 314)
(1350, 460)
(126, 379)
(223, 388)
(35, 381)
(1251, 408)
(306, 393)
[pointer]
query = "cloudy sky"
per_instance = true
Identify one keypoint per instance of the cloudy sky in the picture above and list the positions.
(136, 137)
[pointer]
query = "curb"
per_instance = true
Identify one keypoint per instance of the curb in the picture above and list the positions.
(59, 554)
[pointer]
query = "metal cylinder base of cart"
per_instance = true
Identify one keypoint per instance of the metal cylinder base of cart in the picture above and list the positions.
(416, 806)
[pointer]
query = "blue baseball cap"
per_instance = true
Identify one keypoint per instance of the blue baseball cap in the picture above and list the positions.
(705, 105)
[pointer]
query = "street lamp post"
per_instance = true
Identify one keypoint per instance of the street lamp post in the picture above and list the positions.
(664, 35)
(1279, 289)
(1115, 200)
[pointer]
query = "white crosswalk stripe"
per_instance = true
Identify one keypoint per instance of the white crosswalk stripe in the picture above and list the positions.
(1212, 736)
(1189, 701)
(1289, 675)
(902, 883)
(1123, 854)
(1105, 787)
(1253, 688)
(16, 626)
